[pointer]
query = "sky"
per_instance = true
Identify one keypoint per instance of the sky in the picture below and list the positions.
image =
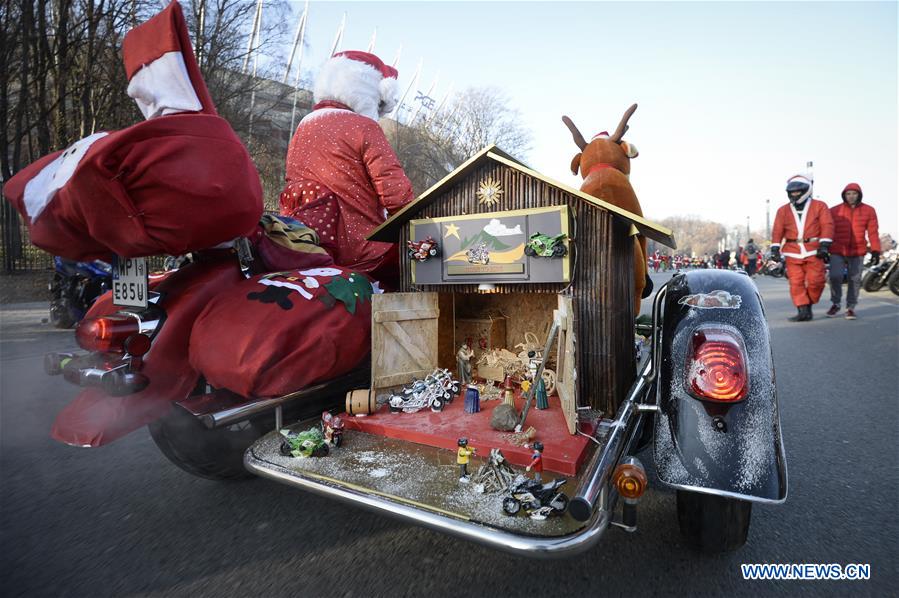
(734, 97)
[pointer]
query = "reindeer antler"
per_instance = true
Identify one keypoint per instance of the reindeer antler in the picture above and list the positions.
(622, 126)
(578, 138)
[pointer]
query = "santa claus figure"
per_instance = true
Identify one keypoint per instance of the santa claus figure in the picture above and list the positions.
(803, 232)
(343, 178)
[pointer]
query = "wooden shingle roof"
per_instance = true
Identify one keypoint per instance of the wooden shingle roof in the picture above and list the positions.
(390, 229)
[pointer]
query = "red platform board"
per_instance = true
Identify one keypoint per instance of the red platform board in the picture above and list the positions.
(562, 453)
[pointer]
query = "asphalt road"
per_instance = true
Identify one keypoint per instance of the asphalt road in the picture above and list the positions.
(120, 520)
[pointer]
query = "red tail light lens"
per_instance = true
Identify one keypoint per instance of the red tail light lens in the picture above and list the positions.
(716, 369)
(107, 334)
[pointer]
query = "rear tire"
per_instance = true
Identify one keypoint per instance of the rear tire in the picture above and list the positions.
(511, 506)
(212, 454)
(713, 524)
(894, 283)
(61, 315)
(870, 282)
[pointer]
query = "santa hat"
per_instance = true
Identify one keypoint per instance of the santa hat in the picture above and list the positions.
(361, 81)
(163, 76)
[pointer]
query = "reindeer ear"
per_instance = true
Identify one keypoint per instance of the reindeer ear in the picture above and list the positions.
(629, 149)
(575, 163)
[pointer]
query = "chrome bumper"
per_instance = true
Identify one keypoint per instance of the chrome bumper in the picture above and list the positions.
(541, 547)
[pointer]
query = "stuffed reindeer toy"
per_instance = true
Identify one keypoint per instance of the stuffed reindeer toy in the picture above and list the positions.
(605, 163)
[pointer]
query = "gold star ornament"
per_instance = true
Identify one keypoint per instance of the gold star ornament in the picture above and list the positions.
(489, 191)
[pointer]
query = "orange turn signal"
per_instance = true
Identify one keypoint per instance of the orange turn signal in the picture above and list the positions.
(630, 478)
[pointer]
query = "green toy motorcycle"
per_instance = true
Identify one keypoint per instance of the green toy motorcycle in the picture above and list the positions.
(540, 245)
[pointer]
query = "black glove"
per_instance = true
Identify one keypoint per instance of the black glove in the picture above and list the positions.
(824, 251)
(775, 253)
(875, 258)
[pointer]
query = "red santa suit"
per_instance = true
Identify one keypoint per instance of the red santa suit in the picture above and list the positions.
(798, 235)
(343, 177)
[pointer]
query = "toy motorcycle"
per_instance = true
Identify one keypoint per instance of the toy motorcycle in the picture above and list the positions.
(435, 391)
(423, 250)
(540, 245)
(310, 443)
(539, 500)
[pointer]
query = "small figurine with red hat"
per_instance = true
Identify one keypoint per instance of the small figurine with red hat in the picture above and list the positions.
(537, 461)
(332, 428)
(343, 177)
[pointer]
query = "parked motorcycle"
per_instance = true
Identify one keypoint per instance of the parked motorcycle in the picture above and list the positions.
(772, 267)
(894, 283)
(539, 500)
(877, 277)
(74, 288)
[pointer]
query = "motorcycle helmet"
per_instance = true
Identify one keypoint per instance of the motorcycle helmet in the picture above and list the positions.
(463, 442)
(538, 446)
(802, 184)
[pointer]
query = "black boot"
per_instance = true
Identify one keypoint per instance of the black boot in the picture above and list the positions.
(803, 314)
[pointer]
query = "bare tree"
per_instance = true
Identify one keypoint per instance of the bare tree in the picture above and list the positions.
(434, 144)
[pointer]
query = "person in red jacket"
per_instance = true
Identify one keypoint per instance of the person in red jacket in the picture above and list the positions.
(851, 220)
(803, 232)
(343, 177)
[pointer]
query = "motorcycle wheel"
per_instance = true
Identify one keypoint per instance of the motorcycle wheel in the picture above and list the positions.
(871, 282)
(212, 454)
(285, 448)
(61, 315)
(529, 251)
(559, 251)
(511, 506)
(560, 503)
(894, 283)
(713, 524)
(437, 405)
(336, 440)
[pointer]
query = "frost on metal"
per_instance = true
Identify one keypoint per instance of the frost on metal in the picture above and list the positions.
(743, 458)
(410, 472)
(714, 300)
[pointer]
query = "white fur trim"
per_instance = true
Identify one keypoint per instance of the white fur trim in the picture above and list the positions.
(390, 95)
(315, 114)
(164, 87)
(52, 177)
(350, 82)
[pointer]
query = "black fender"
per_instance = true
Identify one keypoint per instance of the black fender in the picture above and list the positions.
(729, 449)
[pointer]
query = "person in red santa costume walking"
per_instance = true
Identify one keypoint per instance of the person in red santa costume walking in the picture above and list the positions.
(803, 232)
(343, 177)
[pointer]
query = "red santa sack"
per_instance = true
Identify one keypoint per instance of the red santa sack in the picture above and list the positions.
(278, 333)
(181, 180)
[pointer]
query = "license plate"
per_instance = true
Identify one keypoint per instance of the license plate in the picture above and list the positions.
(129, 282)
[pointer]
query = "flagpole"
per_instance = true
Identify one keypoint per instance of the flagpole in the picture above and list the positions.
(296, 86)
(339, 37)
(427, 94)
(256, 18)
(399, 104)
(297, 38)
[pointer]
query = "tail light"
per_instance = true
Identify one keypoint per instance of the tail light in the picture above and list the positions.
(106, 334)
(630, 478)
(716, 368)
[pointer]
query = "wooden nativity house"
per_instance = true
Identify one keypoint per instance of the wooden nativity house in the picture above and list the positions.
(491, 285)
